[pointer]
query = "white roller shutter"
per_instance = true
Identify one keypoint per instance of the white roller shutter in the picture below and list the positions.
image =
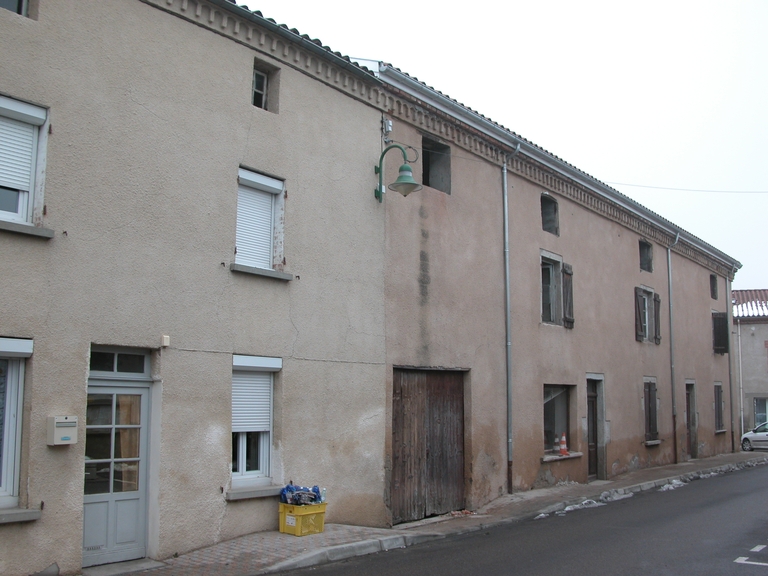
(17, 149)
(251, 401)
(255, 227)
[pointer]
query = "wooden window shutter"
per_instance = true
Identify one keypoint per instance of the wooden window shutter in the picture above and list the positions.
(639, 333)
(568, 319)
(720, 332)
(657, 319)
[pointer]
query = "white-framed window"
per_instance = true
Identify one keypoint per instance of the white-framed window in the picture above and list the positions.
(22, 158)
(259, 89)
(13, 351)
(252, 389)
(260, 208)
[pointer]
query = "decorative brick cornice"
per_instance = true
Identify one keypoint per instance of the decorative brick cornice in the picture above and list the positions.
(429, 119)
(276, 42)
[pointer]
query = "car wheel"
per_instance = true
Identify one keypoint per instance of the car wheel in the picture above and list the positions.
(746, 445)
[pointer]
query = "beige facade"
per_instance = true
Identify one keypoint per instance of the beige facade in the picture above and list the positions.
(153, 130)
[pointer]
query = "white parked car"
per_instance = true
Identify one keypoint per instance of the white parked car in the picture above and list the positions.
(757, 438)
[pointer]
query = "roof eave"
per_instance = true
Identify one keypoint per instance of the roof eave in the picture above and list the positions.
(405, 83)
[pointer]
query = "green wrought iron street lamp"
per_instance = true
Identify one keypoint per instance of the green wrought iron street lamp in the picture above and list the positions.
(405, 184)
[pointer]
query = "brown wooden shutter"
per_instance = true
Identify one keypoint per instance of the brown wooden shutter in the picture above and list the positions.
(639, 335)
(651, 424)
(657, 319)
(568, 319)
(720, 332)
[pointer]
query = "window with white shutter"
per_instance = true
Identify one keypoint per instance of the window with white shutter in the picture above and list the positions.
(259, 211)
(252, 384)
(19, 144)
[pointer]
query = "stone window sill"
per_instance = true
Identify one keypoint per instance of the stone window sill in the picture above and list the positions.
(26, 229)
(252, 492)
(558, 457)
(720, 431)
(260, 272)
(653, 442)
(10, 515)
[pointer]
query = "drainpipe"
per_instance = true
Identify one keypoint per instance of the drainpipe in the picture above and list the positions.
(508, 317)
(729, 310)
(672, 346)
(741, 387)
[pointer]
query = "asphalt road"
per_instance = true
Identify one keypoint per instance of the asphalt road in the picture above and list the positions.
(701, 528)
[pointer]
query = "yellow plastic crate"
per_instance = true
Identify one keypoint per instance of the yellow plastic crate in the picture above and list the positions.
(302, 520)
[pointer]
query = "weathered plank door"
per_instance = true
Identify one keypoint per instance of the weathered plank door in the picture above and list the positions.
(427, 444)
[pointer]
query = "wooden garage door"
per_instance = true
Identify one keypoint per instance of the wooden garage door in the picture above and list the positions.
(427, 444)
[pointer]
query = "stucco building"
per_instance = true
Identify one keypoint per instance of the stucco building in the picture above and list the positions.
(203, 300)
(750, 355)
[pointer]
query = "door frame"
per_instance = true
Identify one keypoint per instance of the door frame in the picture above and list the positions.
(110, 384)
(602, 425)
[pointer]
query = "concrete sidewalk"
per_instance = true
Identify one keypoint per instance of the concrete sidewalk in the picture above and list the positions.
(266, 552)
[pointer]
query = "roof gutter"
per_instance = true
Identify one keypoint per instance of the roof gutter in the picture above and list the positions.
(401, 81)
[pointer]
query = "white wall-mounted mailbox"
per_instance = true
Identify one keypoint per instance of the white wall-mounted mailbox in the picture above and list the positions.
(62, 430)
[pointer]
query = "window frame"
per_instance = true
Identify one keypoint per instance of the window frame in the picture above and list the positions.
(254, 191)
(713, 292)
(242, 367)
(271, 91)
(263, 94)
(560, 290)
(435, 164)
(647, 315)
(24, 118)
(719, 408)
(563, 392)
(550, 214)
(15, 351)
(651, 411)
(646, 255)
(720, 332)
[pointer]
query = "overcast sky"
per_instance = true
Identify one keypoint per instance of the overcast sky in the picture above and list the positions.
(665, 101)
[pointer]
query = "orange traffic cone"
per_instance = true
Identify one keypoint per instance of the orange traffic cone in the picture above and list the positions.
(563, 446)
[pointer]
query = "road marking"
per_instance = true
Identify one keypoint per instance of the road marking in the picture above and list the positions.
(758, 548)
(745, 560)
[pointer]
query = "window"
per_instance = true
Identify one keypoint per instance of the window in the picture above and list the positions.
(13, 351)
(713, 286)
(265, 86)
(21, 143)
(556, 406)
(436, 165)
(650, 406)
(646, 256)
(556, 291)
(549, 217)
(18, 6)
(259, 236)
(647, 315)
(719, 425)
(123, 361)
(720, 332)
(760, 411)
(252, 384)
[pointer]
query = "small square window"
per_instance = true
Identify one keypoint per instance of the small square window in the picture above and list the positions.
(265, 86)
(549, 217)
(18, 6)
(436, 165)
(646, 256)
(713, 286)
